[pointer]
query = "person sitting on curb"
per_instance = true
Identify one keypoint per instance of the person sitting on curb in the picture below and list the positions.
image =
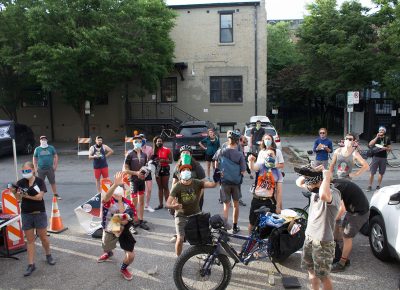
(184, 199)
(115, 204)
(355, 207)
(319, 244)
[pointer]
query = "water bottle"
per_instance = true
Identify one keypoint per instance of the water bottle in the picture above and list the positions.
(271, 278)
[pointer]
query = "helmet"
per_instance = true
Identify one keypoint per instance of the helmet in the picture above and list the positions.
(234, 135)
(216, 221)
(186, 148)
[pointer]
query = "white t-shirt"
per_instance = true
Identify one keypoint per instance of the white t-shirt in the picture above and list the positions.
(262, 155)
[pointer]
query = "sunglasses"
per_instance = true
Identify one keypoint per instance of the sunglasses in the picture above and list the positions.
(25, 171)
(322, 133)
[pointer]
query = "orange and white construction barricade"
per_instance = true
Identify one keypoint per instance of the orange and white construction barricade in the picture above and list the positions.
(84, 149)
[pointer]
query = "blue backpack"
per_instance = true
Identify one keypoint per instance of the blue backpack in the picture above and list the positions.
(231, 171)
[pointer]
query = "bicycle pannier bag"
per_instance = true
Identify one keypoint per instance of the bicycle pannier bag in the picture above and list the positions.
(197, 229)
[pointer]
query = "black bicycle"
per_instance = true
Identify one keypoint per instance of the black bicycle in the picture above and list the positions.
(207, 266)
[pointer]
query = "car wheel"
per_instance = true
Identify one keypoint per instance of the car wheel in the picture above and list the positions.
(377, 238)
(28, 148)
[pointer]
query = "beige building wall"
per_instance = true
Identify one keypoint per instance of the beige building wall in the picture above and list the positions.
(196, 37)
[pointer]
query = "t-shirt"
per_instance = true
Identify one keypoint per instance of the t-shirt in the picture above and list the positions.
(384, 141)
(212, 145)
(163, 153)
(197, 170)
(134, 162)
(45, 156)
(188, 196)
(262, 155)
(111, 207)
(353, 196)
(257, 135)
(28, 205)
(322, 154)
(322, 216)
(345, 164)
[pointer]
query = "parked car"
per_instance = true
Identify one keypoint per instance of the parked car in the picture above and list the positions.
(384, 223)
(191, 133)
(24, 139)
(268, 127)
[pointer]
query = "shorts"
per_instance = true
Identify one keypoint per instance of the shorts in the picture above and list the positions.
(317, 256)
(164, 171)
(126, 240)
(42, 173)
(101, 172)
(229, 192)
(148, 177)
(33, 221)
(208, 158)
(137, 186)
(352, 223)
(180, 223)
(256, 204)
(378, 162)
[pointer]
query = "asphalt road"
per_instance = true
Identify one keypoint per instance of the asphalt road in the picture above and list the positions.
(76, 253)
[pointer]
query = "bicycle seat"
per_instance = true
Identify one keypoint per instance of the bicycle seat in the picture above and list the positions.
(306, 193)
(262, 209)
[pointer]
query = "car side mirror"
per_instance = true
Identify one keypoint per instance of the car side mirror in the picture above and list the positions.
(394, 199)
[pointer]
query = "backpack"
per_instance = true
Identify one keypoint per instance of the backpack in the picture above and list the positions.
(231, 171)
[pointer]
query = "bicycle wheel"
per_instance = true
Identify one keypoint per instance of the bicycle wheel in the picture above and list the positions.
(393, 158)
(190, 274)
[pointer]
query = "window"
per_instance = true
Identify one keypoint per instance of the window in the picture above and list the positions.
(169, 90)
(226, 89)
(226, 27)
(34, 98)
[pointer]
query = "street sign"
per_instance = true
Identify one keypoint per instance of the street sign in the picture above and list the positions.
(350, 108)
(350, 99)
(353, 97)
(274, 111)
(356, 97)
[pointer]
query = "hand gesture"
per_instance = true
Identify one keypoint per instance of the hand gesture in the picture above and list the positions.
(119, 178)
(176, 205)
(251, 158)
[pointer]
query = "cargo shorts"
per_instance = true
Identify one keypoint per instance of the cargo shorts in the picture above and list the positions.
(317, 256)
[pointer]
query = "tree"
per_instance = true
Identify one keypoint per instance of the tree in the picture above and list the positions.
(83, 48)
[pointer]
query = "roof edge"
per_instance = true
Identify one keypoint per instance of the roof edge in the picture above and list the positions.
(205, 5)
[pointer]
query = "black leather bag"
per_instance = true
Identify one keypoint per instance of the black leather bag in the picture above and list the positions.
(197, 229)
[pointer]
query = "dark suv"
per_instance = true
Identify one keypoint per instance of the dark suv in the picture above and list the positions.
(191, 133)
(24, 139)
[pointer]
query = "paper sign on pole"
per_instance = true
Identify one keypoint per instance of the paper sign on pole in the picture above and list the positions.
(350, 108)
(356, 97)
(350, 99)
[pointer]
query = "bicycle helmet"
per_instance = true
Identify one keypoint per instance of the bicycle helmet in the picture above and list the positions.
(186, 148)
(234, 135)
(216, 221)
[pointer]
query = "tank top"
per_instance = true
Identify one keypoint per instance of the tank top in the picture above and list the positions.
(345, 165)
(102, 161)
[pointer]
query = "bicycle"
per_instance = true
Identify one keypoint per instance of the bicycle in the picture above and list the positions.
(167, 134)
(207, 266)
(393, 157)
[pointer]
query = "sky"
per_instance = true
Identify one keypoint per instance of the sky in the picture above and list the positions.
(276, 9)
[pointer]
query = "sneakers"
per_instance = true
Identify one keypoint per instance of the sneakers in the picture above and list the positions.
(105, 257)
(58, 197)
(378, 187)
(143, 225)
(159, 207)
(337, 267)
(369, 188)
(29, 270)
(149, 208)
(50, 260)
(235, 230)
(173, 239)
(126, 274)
(241, 202)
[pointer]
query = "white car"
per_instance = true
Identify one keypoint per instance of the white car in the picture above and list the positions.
(268, 127)
(384, 223)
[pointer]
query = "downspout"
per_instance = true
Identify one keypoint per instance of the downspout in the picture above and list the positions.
(255, 61)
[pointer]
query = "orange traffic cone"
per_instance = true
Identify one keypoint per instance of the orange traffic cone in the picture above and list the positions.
(56, 224)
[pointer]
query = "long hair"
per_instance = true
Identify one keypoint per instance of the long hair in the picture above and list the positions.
(273, 144)
(155, 148)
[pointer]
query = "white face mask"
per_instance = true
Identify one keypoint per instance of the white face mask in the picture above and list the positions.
(27, 175)
(267, 143)
(186, 175)
(348, 143)
(43, 144)
(137, 145)
(119, 191)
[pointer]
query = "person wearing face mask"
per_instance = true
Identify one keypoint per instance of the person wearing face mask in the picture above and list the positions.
(148, 150)
(319, 245)
(134, 161)
(322, 147)
(99, 154)
(45, 160)
(344, 157)
(164, 157)
(210, 144)
(268, 189)
(379, 159)
(185, 200)
(30, 191)
(256, 134)
(267, 141)
(114, 203)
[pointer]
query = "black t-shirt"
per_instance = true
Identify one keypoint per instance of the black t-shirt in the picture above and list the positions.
(28, 205)
(257, 135)
(134, 162)
(353, 196)
(384, 141)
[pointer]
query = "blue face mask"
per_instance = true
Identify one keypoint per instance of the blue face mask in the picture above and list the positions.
(186, 175)
(137, 145)
(267, 143)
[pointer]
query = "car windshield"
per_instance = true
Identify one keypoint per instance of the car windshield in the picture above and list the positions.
(269, 131)
(192, 131)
